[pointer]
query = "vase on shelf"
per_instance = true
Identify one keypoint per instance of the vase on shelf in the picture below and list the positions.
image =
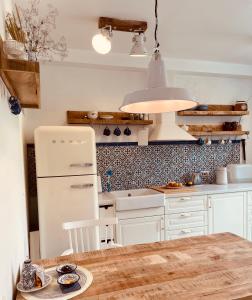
(32, 55)
(13, 49)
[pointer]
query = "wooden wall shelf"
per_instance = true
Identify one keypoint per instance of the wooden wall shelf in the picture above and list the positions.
(214, 130)
(22, 79)
(197, 113)
(80, 118)
(219, 133)
(214, 110)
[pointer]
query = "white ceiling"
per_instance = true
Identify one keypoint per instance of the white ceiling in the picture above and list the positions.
(217, 30)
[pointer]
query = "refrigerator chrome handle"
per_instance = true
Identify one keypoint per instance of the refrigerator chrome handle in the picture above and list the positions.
(81, 186)
(81, 165)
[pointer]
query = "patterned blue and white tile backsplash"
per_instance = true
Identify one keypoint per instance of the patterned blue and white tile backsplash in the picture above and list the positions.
(139, 166)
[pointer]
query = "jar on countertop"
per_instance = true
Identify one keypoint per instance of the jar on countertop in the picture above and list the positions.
(221, 175)
(28, 275)
(241, 106)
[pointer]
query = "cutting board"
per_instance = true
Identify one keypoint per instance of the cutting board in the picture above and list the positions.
(184, 189)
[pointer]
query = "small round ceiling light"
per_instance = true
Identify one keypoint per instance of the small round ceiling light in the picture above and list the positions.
(138, 49)
(101, 42)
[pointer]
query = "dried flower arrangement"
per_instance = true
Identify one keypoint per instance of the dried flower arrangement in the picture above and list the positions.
(14, 27)
(29, 27)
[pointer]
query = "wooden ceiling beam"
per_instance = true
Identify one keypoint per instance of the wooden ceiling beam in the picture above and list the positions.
(122, 25)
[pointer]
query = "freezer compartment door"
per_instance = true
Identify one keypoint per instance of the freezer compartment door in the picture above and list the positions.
(65, 199)
(65, 150)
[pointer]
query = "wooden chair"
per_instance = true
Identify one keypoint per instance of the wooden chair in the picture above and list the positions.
(80, 234)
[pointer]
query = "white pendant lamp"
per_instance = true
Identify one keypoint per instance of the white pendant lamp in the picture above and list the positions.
(157, 98)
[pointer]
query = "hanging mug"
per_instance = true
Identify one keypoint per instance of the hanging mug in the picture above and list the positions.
(127, 131)
(106, 131)
(14, 105)
(201, 142)
(117, 131)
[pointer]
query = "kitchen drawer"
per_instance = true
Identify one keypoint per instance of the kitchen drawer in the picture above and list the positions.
(185, 204)
(185, 232)
(107, 211)
(186, 220)
(140, 213)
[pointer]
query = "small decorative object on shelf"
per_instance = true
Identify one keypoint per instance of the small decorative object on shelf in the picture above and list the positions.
(202, 107)
(14, 105)
(28, 275)
(241, 106)
(34, 31)
(14, 47)
(92, 115)
(230, 126)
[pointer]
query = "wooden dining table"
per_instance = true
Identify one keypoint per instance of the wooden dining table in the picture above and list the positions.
(217, 266)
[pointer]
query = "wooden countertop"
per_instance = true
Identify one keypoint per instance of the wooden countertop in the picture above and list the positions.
(205, 267)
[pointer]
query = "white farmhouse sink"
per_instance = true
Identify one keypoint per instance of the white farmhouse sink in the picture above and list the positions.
(137, 199)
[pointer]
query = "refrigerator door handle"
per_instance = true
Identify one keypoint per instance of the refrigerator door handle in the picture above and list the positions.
(81, 165)
(82, 186)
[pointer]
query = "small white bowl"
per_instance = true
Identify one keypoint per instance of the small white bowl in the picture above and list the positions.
(68, 280)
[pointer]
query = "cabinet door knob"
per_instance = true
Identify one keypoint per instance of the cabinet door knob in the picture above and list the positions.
(184, 231)
(184, 215)
(185, 198)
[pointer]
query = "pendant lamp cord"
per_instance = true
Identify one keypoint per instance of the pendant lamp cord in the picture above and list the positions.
(156, 28)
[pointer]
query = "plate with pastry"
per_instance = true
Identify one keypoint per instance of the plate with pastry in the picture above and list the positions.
(174, 185)
(37, 287)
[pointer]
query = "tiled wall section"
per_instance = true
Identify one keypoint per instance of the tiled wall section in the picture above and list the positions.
(139, 166)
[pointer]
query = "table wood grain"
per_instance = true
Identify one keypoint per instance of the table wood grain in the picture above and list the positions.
(215, 267)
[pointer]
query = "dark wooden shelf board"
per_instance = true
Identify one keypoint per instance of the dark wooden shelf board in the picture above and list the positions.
(217, 133)
(197, 113)
(22, 79)
(79, 117)
(122, 25)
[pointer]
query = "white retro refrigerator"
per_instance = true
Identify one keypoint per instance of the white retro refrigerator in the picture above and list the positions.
(66, 182)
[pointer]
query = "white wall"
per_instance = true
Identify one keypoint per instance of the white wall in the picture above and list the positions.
(13, 221)
(72, 87)
(78, 88)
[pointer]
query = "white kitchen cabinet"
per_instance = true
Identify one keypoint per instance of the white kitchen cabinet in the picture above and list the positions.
(140, 230)
(228, 213)
(107, 211)
(249, 217)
